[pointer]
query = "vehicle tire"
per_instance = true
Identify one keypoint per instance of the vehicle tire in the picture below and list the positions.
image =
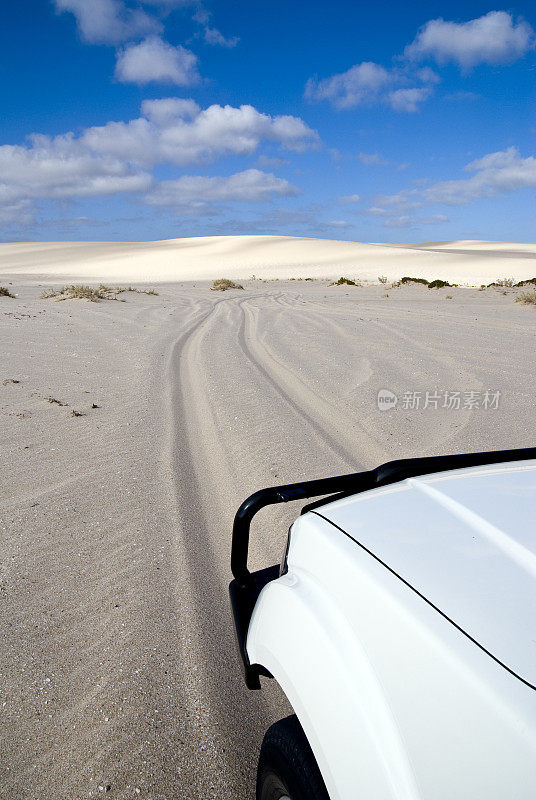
(287, 767)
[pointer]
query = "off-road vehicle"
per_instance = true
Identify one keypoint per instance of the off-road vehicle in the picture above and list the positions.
(401, 626)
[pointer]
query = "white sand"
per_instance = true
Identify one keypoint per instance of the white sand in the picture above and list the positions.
(118, 663)
(204, 258)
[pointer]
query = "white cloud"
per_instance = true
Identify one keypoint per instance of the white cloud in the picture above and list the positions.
(368, 83)
(62, 167)
(180, 132)
(434, 219)
(337, 223)
(349, 198)
(403, 221)
(377, 211)
(362, 83)
(491, 39)
(108, 21)
(19, 212)
(496, 173)
(154, 60)
(408, 99)
(371, 159)
(395, 203)
(270, 162)
(202, 16)
(407, 221)
(118, 157)
(427, 75)
(213, 36)
(194, 191)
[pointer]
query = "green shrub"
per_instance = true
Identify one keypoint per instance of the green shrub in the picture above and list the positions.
(222, 284)
(414, 280)
(524, 283)
(438, 284)
(4, 292)
(344, 281)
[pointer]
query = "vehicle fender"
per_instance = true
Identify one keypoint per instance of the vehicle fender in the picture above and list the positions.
(302, 637)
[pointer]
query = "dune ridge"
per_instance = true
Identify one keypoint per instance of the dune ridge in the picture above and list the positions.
(282, 257)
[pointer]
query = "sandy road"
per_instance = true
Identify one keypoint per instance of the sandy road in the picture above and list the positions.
(119, 674)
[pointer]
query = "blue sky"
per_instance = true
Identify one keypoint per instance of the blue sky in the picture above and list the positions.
(384, 121)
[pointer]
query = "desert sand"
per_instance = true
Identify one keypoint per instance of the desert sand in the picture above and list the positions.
(119, 675)
(209, 257)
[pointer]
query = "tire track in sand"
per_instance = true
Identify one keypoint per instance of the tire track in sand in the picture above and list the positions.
(228, 720)
(308, 404)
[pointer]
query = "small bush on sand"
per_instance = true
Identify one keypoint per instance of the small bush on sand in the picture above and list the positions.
(438, 284)
(414, 280)
(81, 292)
(4, 292)
(222, 284)
(448, 297)
(344, 281)
(503, 282)
(524, 283)
(529, 298)
(119, 290)
(382, 279)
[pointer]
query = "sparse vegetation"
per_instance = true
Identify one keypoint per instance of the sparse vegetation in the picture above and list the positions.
(344, 282)
(528, 298)
(7, 381)
(222, 284)
(448, 297)
(54, 401)
(382, 279)
(414, 280)
(385, 295)
(4, 292)
(524, 283)
(308, 279)
(80, 291)
(503, 282)
(438, 284)
(118, 290)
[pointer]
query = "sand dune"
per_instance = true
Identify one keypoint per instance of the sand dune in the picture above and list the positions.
(204, 258)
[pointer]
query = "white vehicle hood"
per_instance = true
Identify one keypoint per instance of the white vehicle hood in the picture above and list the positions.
(466, 541)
